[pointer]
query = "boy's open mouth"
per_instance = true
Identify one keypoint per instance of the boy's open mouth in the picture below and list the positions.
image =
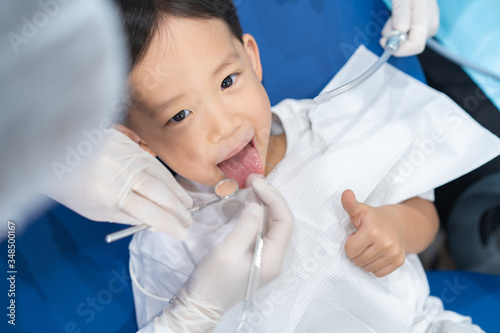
(242, 164)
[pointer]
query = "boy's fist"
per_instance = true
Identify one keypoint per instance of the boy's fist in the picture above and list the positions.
(378, 245)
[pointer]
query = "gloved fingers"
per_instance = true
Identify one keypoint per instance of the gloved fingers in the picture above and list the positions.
(158, 193)
(415, 43)
(422, 17)
(420, 14)
(143, 161)
(401, 15)
(242, 237)
(157, 170)
(281, 218)
(280, 226)
(122, 217)
(419, 30)
(115, 140)
(426, 14)
(383, 40)
(155, 216)
(388, 27)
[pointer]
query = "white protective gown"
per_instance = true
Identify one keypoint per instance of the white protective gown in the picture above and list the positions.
(389, 140)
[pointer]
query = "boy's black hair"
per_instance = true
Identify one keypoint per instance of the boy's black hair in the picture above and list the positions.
(141, 18)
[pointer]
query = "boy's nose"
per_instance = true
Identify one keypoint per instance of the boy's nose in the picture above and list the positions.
(223, 125)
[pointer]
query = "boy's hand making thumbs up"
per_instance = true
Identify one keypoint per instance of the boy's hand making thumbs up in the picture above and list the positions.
(386, 234)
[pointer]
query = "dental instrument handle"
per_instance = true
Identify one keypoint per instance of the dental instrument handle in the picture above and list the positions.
(194, 209)
(253, 281)
(135, 229)
(394, 40)
(125, 233)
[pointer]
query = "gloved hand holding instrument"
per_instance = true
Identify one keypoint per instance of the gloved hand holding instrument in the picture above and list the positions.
(220, 279)
(123, 183)
(419, 19)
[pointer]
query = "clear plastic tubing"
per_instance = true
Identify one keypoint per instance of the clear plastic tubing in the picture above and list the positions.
(394, 40)
(435, 46)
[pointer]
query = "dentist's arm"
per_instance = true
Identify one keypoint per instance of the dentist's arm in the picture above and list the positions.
(418, 18)
(220, 279)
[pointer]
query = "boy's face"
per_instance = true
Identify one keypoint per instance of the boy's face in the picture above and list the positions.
(200, 105)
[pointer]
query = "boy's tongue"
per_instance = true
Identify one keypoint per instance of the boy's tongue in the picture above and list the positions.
(241, 165)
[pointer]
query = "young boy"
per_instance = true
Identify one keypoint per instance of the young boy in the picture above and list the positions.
(199, 105)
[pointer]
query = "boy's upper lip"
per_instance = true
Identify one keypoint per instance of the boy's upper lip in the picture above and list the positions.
(237, 149)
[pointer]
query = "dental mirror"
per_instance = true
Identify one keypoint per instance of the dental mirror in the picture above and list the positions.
(224, 189)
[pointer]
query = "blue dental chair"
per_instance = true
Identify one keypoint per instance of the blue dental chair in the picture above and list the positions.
(70, 280)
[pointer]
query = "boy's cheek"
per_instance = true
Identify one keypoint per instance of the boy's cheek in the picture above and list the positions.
(263, 135)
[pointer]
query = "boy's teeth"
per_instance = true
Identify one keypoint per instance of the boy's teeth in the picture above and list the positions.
(246, 162)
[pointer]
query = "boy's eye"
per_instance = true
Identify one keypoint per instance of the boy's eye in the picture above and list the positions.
(180, 116)
(228, 81)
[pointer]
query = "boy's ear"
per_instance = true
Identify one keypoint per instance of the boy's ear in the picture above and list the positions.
(134, 137)
(252, 50)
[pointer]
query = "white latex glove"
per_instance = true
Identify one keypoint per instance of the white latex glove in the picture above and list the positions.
(220, 279)
(418, 18)
(125, 184)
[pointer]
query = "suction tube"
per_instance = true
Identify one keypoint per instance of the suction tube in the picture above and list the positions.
(394, 40)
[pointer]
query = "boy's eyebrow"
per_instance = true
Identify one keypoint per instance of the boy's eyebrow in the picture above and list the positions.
(163, 105)
(228, 60)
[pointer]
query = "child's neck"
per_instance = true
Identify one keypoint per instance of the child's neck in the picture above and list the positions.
(275, 152)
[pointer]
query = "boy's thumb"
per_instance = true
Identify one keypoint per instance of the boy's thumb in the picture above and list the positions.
(351, 206)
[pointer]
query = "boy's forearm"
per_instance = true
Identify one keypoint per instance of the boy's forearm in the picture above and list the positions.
(420, 223)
